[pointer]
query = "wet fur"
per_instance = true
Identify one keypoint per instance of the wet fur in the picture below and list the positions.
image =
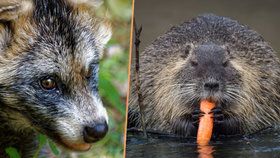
(42, 38)
(251, 102)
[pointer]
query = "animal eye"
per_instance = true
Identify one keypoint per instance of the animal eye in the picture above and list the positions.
(194, 63)
(48, 84)
(186, 52)
(225, 64)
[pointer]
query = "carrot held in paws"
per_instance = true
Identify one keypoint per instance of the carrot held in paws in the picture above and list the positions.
(206, 122)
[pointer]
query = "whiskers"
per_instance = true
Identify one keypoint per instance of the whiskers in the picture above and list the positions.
(232, 93)
(189, 93)
(185, 94)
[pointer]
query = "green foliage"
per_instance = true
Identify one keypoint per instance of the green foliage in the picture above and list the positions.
(53, 147)
(119, 8)
(42, 139)
(110, 70)
(113, 77)
(12, 152)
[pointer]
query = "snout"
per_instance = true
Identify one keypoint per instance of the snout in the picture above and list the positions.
(212, 90)
(94, 132)
(77, 132)
(211, 86)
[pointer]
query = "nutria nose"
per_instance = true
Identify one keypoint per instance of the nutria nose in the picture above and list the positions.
(211, 86)
(93, 133)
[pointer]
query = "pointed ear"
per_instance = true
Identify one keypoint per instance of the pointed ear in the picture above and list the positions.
(11, 9)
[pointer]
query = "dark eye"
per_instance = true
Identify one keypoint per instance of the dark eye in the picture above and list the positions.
(48, 84)
(194, 63)
(186, 52)
(225, 64)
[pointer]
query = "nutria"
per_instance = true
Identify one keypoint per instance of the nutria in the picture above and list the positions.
(208, 57)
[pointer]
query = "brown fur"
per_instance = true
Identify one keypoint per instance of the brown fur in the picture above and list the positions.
(252, 96)
(60, 39)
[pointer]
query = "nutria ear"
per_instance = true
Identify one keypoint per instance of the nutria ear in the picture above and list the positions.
(189, 47)
(11, 9)
(227, 48)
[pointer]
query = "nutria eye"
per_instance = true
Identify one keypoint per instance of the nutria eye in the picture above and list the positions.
(225, 64)
(194, 63)
(48, 84)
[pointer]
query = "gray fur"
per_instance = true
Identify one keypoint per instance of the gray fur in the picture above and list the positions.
(170, 86)
(52, 38)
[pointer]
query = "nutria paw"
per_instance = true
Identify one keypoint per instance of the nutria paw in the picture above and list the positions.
(218, 115)
(196, 114)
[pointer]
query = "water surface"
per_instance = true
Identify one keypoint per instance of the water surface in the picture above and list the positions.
(265, 144)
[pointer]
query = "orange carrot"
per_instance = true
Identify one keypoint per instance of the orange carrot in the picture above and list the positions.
(205, 126)
(205, 151)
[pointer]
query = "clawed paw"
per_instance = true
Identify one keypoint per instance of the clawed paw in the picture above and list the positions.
(218, 116)
(196, 114)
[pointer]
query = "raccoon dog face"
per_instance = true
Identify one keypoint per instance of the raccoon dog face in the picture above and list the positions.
(52, 72)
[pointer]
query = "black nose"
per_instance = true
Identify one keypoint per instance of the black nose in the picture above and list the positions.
(211, 86)
(95, 132)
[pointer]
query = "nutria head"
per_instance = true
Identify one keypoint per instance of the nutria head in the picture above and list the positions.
(208, 74)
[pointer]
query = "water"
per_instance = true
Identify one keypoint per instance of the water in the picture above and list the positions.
(157, 16)
(261, 145)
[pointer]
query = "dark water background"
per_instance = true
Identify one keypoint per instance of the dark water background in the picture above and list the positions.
(265, 144)
(156, 17)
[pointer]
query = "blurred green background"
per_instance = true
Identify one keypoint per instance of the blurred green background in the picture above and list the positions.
(113, 77)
